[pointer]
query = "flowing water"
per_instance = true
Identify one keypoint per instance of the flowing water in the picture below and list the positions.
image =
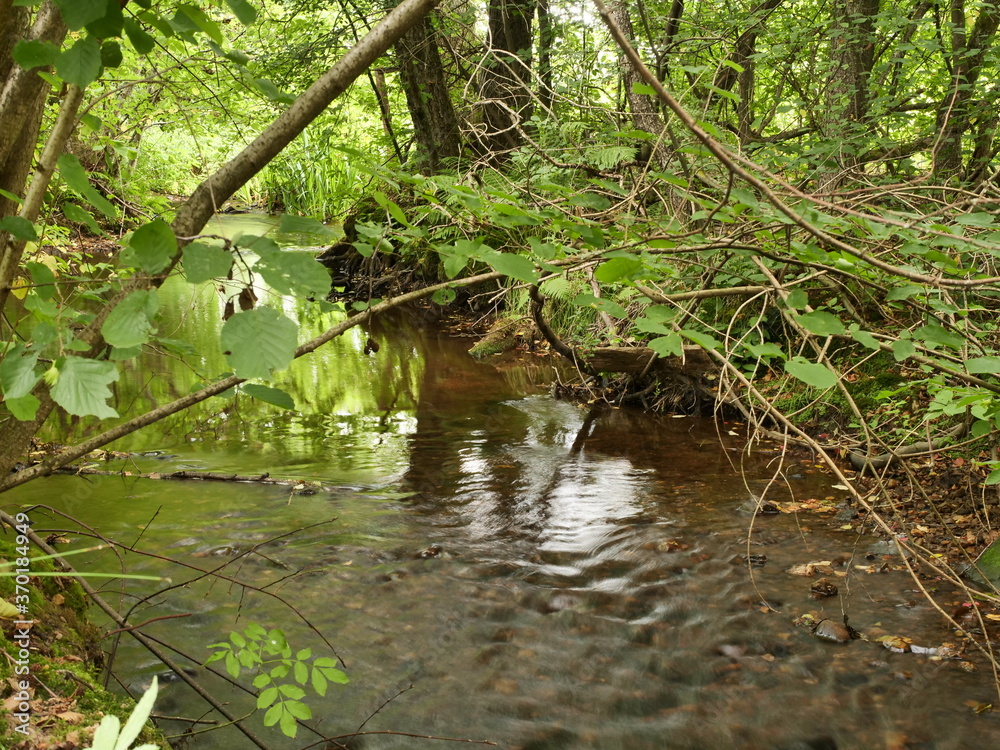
(491, 564)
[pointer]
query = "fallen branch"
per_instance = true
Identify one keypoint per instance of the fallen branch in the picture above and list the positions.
(863, 462)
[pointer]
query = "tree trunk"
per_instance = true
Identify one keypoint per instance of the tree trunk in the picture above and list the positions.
(844, 103)
(546, 38)
(505, 84)
(956, 112)
(435, 124)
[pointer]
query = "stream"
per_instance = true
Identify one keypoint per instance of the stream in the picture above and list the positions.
(492, 564)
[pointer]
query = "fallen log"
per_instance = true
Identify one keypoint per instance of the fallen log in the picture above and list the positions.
(638, 359)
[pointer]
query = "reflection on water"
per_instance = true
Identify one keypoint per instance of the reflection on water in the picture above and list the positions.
(543, 575)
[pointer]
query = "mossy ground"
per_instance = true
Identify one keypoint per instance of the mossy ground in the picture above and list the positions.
(65, 663)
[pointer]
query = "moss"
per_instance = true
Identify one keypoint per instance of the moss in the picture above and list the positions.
(65, 663)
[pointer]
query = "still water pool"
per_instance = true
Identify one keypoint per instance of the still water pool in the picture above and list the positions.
(491, 564)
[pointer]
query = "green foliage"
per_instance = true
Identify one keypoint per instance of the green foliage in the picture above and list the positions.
(279, 674)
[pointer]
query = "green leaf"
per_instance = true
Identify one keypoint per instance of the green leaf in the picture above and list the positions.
(765, 350)
(642, 89)
(934, 334)
(232, 665)
(513, 265)
(17, 372)
(318, 682)
(293, 272)
(703, 340)
(288, 726)
(19, 228)
(671, 345)
(258, 341)
(273, 714)
(301, 673)
(268, 395)
(864, 338)
(151, 247)
(797, 299)
(901, 349)
(267, 697)
(617, 268)
(811, 373)
(976, 365)
(82, 216)
(903, 292)
(30, 53)
(110, 24)
(78, 13)
(444, 296)
(299, 710)
(43, 279)
(993, 478)
(201, 21)
(111, 54)
(82, 387)
(23, 408)
(138, 718)
(142, 42)
(81, 63)
(392, 207)
(601, 304)
(205, 262)
(301, 224)
(244, 11)
(76, 177)
(131, 322)
(821, 323)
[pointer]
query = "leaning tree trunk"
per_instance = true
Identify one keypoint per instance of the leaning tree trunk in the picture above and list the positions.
(421, 72)
(955, 115)
(505, 84)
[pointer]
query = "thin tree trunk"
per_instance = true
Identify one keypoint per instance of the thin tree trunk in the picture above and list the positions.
(506, 76)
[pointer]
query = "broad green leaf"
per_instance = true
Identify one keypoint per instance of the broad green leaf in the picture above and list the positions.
(392, 207)
(821, 323)
(903, 292)
(82, 216)
(82, 386)
(81, 63)
(811, 373)
(978, 219)
(142, 42)
(42, 307)
(299, 710)
(983, 365)
(601, 304)
(196, 16)
(288, 726)
(704, 340)
(864, 338)
(110, 24)
(269, 395)
(131, 322)
(267, 697)
(293, 224)
(205, 262)
(30, 53)
(901, 349)
(797, 299)
(19, 228)
(318, 682)
(76, 177)
(258, 341)
(23, 408)
(444, 296)
(243, 11)
(43, 278)
(934, 334)
(646, 325)
(111, 54)
(765, 350)
(151, 247)
(293, 272)
(642, 89)
(17, 372)
(617, 268)
(78, 13)
(671, 345)
(513, 265)
(272, 716)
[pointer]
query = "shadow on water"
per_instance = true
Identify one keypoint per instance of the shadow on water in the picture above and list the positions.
(544, 575)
